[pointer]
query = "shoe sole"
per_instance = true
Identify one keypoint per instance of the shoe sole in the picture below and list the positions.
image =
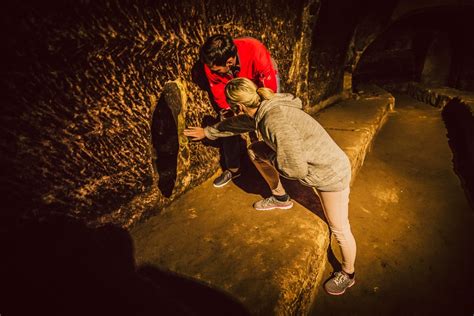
(340, 293)
(286, 207)
(221, 185)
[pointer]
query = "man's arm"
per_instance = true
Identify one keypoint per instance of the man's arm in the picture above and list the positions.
(217, 86)
(266, 70)
(218, 93)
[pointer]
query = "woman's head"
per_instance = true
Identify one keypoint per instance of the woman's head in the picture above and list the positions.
(244, 92)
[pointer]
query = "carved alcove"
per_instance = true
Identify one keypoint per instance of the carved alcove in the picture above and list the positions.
(164, 137)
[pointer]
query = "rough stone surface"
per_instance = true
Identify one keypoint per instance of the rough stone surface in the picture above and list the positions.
(81, 82)
(353, 124)
(269, 261)
(272, 261)
(405, 203)
(458, 114)
(433, 95)
(402, 51)
(372, 22)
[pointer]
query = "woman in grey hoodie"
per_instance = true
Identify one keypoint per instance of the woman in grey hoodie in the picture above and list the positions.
(296, 146)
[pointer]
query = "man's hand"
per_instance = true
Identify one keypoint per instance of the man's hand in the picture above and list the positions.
(224, 114)
(196, 133)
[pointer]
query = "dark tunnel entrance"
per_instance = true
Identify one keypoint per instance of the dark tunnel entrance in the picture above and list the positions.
(430, 46)
(164, 137)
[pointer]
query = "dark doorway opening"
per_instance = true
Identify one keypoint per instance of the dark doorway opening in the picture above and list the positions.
(164, 136)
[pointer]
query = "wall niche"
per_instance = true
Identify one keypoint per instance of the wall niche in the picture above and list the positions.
(164, 137)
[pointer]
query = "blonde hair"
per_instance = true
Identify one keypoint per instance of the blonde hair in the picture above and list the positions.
(245, 92)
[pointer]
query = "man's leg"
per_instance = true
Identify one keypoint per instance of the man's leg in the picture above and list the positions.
(231, 152)
(231, 147)
(262, 157)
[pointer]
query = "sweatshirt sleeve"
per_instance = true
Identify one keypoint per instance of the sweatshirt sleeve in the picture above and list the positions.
(235, 125)
(290, 157)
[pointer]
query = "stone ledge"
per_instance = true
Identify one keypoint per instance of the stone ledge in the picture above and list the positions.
(436, 96)
(271, 262)
(354, 123)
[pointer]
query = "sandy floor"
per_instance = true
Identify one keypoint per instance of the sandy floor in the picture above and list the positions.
(412, 223)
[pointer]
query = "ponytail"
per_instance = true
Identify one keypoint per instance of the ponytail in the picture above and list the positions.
(265, 93)
(244, 91)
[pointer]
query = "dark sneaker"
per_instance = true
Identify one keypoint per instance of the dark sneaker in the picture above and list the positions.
(225, 178)
(339, 283)
(271, 203)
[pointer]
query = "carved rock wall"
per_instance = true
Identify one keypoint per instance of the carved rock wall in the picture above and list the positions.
(428, 45)
(97, 94)
(82, 80)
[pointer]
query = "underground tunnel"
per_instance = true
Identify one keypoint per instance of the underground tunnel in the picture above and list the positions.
(99, 178)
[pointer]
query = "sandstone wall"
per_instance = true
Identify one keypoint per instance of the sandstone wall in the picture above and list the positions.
(430, 45)
(82, 80)
(96, 94)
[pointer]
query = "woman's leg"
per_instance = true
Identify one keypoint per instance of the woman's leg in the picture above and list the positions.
(262, 156)
(336, 209)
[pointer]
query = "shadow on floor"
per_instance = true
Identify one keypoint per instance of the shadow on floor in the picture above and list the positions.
(61, 267)
(252, 182)
(460, 125)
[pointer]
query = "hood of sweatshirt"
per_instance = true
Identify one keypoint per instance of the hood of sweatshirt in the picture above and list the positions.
(280, 99)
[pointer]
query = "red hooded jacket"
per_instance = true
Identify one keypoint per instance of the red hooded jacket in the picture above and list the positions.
(254, 62)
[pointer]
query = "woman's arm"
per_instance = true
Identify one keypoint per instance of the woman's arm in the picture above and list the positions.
(235, 125)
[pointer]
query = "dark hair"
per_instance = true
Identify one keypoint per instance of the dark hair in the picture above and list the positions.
(217, 50)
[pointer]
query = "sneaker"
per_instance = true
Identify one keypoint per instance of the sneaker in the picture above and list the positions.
(225, 178)
(339, 283)
(271, 203)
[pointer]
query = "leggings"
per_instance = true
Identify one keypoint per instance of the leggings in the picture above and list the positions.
(335, 204)
(336, 210)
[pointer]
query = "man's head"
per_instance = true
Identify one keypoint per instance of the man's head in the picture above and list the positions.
(219, 53)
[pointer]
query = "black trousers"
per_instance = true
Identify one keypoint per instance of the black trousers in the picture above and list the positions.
(231, 147)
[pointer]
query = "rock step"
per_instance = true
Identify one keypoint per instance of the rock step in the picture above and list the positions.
(436, 96)
(270, 262)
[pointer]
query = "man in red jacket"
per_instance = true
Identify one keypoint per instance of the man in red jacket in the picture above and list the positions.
(223, 59)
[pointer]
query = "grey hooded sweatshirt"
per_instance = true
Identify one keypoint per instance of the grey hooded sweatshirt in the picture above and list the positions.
(304, 150)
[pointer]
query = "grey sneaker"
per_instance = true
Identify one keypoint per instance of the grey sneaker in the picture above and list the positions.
(339, 283)
(225, 178)
(271, 203)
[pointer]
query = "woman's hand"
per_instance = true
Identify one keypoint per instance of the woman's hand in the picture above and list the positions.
(196, 133)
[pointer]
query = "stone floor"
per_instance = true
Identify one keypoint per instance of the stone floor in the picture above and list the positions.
(270, 261)
(408, 212)
(412, 222)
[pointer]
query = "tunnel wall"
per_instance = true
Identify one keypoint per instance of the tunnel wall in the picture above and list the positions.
(388, 59)
(343, 31)
(92, 90)
(82, 79)
(437, 64)
(405, 50)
